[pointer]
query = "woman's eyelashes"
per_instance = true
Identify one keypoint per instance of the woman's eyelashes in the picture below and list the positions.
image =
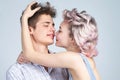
(59, 31)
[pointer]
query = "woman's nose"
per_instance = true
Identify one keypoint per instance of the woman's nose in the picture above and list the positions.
(56, 33)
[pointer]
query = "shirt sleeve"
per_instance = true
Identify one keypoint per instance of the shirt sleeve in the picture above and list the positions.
(14, 73)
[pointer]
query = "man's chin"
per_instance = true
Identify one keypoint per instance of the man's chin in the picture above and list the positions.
(50, 43)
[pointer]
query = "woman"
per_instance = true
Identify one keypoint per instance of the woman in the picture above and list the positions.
(78, 35)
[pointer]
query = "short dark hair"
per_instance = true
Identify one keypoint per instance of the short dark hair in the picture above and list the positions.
(45, 9)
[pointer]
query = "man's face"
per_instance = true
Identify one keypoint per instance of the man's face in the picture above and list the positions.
(62, 36)
(44, 31)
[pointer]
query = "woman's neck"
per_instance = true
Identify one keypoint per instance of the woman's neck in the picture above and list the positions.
(73, 49)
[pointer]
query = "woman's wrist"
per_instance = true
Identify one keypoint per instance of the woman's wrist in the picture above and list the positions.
(24, 20)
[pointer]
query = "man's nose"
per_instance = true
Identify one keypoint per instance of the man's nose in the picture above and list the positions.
(52, 28)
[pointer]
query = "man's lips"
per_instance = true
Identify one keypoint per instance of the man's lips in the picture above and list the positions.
(51, 35)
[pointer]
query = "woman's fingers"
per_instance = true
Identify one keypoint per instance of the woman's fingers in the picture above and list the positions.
(36, 9)
(31, 9)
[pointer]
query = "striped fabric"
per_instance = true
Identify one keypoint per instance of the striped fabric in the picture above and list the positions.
(35, 72)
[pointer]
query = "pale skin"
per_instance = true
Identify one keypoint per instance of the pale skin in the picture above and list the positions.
(70, 59)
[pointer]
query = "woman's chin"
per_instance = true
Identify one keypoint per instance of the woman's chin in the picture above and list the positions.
(58, 45)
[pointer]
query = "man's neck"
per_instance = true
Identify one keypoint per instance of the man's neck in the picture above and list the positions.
(40, 48)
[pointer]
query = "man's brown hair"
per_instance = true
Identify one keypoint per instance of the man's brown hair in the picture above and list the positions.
(44, 9)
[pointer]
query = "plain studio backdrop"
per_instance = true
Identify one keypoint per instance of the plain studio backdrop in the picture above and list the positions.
(106, 13)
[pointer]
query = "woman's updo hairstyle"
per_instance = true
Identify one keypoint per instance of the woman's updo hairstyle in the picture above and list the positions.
(83, 28)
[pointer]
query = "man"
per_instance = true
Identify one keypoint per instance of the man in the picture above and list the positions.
(41, 28)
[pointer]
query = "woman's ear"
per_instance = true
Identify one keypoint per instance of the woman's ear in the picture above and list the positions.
(72, 40)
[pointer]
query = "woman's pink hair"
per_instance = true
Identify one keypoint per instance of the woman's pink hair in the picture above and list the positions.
(84, 31)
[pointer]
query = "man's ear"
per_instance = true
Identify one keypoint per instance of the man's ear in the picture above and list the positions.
(31, 30)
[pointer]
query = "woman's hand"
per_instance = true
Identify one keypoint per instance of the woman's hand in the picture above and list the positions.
(30, 10)
(21, 59)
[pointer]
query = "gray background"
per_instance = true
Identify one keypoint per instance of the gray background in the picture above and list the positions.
(106, 13)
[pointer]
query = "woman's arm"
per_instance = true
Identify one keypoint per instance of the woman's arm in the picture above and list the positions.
(62, 59)
(25, 35)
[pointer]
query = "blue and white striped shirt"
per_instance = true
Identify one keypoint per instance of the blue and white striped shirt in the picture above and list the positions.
(31, 71)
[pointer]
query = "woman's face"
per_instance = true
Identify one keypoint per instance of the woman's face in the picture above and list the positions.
(62, 36)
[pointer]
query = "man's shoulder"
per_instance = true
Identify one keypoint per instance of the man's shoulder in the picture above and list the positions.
(21, 67)
(13, 67)
(13, 72)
